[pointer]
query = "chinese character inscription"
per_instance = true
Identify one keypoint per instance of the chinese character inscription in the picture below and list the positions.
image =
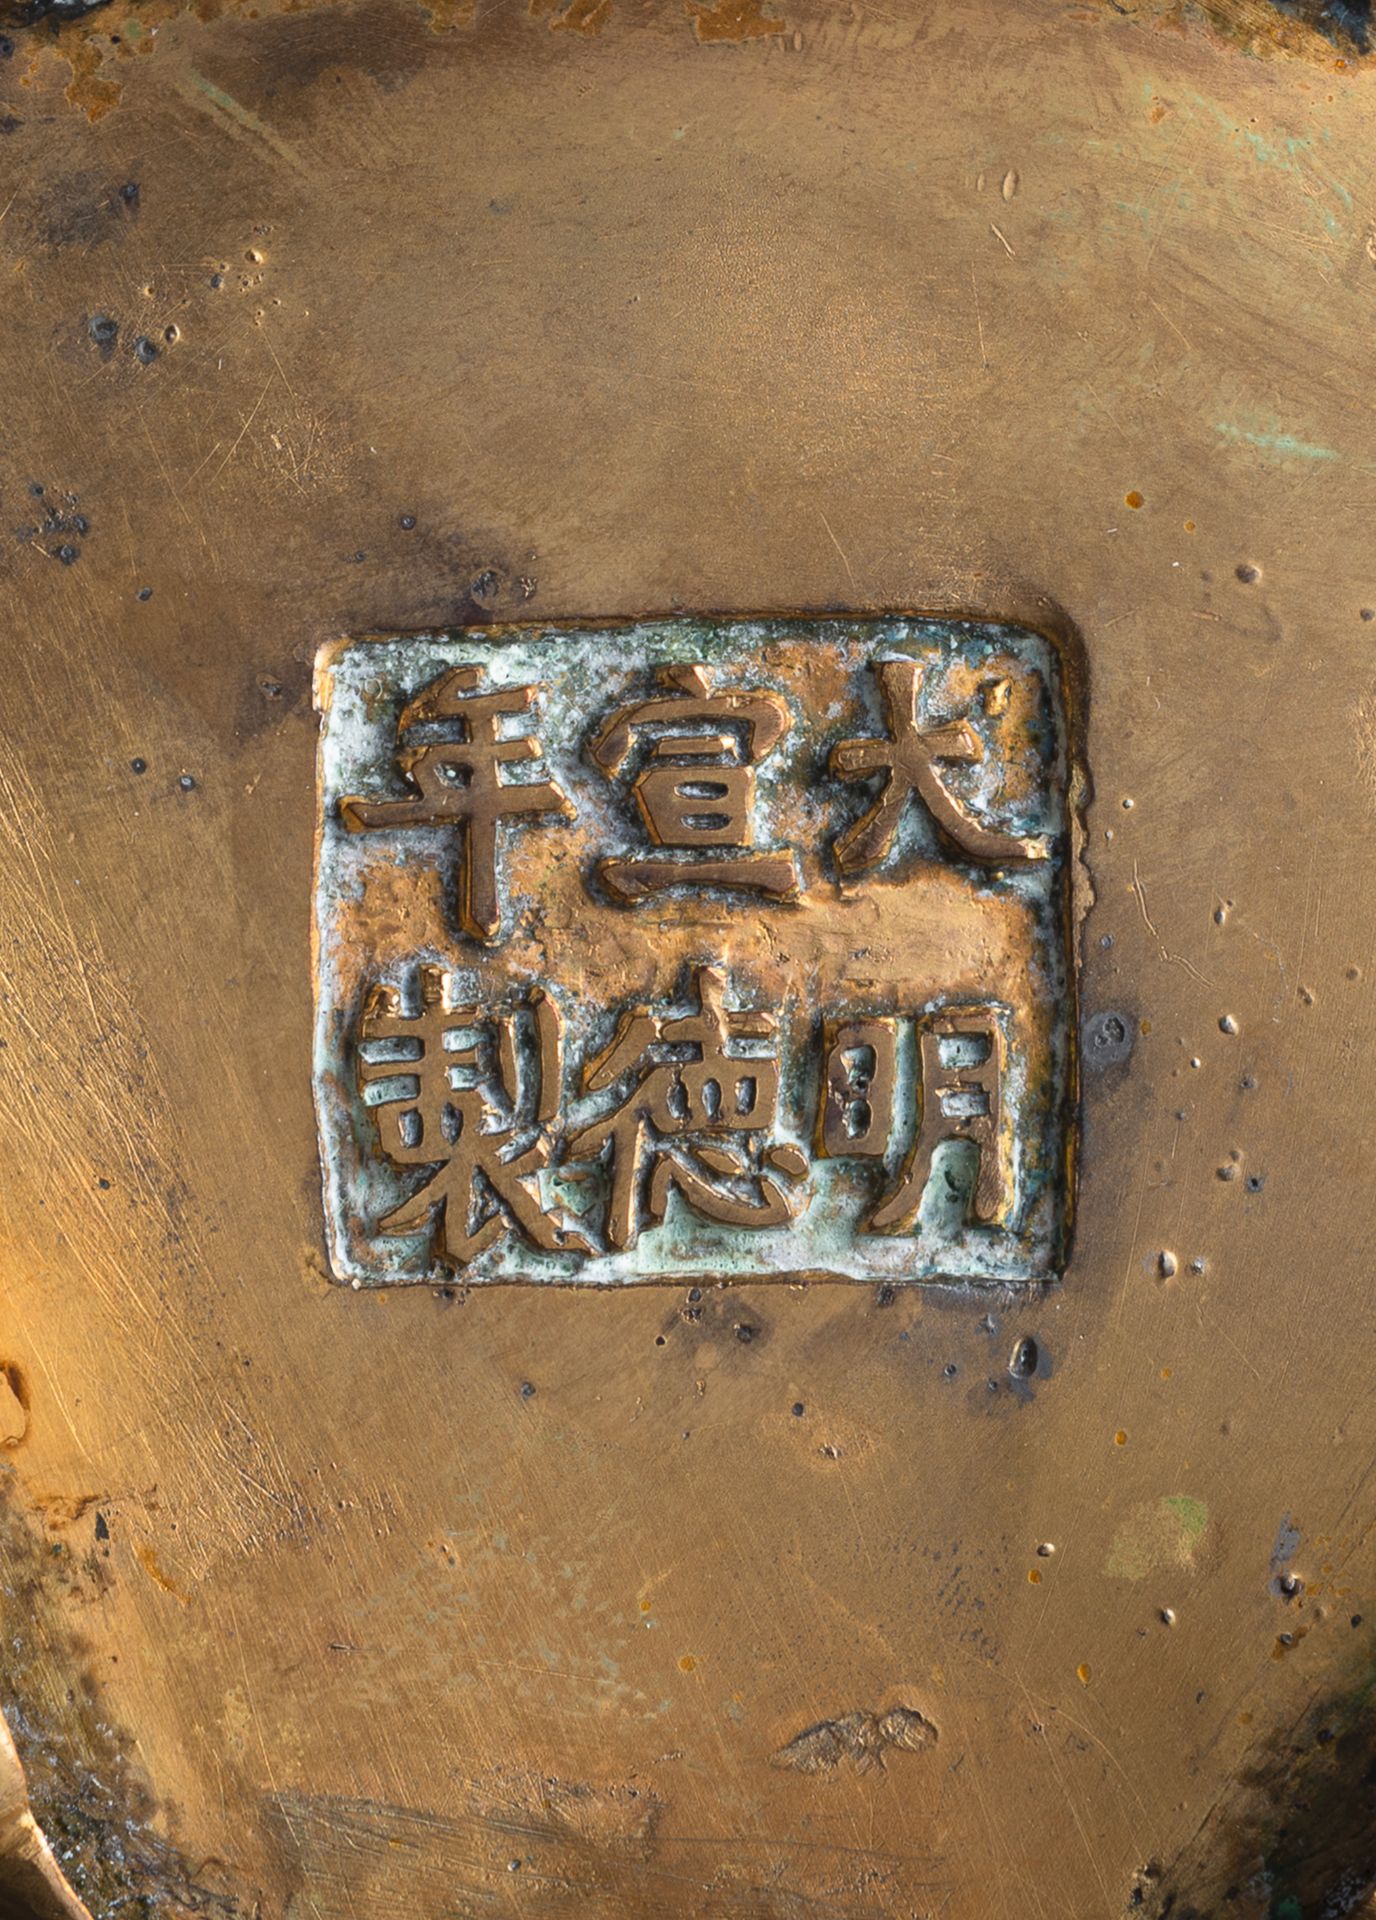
(695, 949)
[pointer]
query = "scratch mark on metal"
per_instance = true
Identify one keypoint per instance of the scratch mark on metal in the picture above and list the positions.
(253, 415)
(1175, 959)
(837, 544)
(242, 120)
(979, 317)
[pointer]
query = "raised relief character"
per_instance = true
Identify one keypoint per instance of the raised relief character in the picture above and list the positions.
(471, 1093)
(454, 759)
(908, 760)
(695, 787)
(855, 1113)
(959, 1096)
(693, 1115)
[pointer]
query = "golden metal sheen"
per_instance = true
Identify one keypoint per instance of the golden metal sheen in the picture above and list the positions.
(728, 582)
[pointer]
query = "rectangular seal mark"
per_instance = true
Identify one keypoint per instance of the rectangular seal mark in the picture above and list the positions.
(695, 949)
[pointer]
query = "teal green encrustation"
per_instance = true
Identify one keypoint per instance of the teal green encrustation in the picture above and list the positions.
(1285, 446)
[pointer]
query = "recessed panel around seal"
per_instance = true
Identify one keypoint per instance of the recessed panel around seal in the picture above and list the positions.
(731, 949)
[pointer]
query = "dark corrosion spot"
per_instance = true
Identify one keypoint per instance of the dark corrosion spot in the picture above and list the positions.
(798, 1409)
(103, 329)
(745, 1333)
(660, 1340)
(102, 1527)
(408, 521)
(36, 489)
(1255, 1182)
(1349, 17)
(527, 1389)
(145, 593)
(138, 765)
(67, 553)
(33, 11)
(144, 351)
(1248, 575)
(6, 46)
(1108, 1039)
(129, 193)
(186, 782)
(886, 1295)
(1022, 1363)
(103, 1184)
(1368, 613)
